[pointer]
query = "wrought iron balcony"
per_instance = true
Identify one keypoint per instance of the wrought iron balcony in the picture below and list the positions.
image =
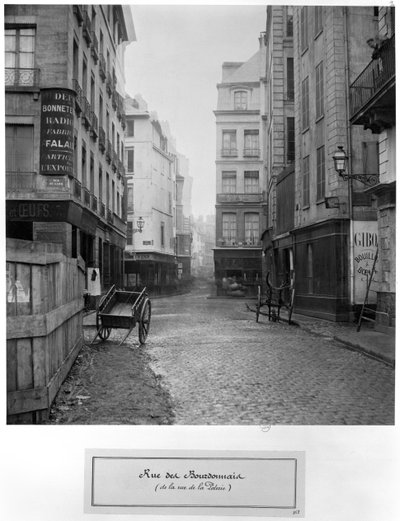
(79, 103)
(372, 93)
(240, 198)
(94, 126)
(239, 243)
(102, 67)
(87, 112)
(77, 189)
(102, 208)
(109, 84)
(78, 11)
(102, 139)
(86, 196)
(87, 27)
(95, 47)
(251, 152)
(109, 151)
(229, 152)
(21, 77)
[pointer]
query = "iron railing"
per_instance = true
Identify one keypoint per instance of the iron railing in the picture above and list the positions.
(251, 152)
(95, 47)
(21, 77)
(79, 103)
(102, 139)
(87, 27)
(77, 188)
(86, 196)
(229, 152)
(240, 198)
(374, 77)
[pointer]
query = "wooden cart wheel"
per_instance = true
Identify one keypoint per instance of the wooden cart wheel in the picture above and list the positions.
(103, 332)
(258, 306)
(144, 321)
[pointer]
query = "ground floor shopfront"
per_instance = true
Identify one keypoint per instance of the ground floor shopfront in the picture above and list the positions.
(82, 233)
(157, 272)
(317, 256)
(238, 271)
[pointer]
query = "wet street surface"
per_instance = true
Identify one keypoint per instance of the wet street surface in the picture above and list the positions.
(207, 361)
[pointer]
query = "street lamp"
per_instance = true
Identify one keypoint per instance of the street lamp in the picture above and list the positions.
(140, 224)
(341, 159)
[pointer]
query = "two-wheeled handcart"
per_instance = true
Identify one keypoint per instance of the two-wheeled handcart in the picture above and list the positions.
(120, 309)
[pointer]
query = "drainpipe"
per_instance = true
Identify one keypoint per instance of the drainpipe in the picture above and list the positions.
(349, 148)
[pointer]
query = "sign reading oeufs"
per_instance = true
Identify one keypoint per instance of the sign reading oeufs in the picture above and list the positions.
(57, 132)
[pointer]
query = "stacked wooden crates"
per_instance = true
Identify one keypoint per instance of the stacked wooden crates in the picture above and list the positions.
(44, 325)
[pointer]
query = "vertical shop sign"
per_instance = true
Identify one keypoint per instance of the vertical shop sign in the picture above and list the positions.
(57, 132)
(365, 249)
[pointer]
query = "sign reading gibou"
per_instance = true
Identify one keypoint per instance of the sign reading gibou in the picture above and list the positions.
(57, 132)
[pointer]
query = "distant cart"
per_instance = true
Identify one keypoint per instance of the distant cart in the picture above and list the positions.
(123, 310)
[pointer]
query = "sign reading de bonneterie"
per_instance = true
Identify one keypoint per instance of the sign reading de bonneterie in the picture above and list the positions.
(57, 132)
(222, 483)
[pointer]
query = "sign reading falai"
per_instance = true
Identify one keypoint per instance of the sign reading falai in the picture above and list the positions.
(57, 132)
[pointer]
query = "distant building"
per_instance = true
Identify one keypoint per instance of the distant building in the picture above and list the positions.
(184, 235)
(158, 246)
(65, 129)
(203, 246)
(240, 205)
(373, 105)
(279, 121)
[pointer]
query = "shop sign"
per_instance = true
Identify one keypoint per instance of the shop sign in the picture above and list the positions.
(36, 211)
(365, 239)
(57, 132)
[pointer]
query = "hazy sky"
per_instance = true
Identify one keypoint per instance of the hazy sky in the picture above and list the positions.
(175, 65)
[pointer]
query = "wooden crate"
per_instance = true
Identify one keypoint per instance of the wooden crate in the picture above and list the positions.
(44, 325)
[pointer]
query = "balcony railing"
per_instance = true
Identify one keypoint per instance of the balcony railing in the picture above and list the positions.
(77, 189)
(240, 198)
(102, 139)
(109, 84)
(374, 77)
(102, 208)
(87, 28)
(21, 77)
(78, 11)
(239, 243)
(24, 181)
(87, 112)
(94, 125)
(102, 67)
(251, 152)
(95, 47)
(114, 159)
(121, 168)
(79, 103)
(109, 151)
(86, 197)
(229, 152)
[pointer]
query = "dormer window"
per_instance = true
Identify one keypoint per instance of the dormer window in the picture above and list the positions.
(240, 100)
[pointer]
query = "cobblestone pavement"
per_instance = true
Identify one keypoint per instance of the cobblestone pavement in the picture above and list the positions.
(221, 367)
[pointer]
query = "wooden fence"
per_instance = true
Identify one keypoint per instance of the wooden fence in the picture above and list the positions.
(44, 325)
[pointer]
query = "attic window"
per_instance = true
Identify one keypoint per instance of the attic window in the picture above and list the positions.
(240, 100)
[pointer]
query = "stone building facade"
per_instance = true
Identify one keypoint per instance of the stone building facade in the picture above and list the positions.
(332, 215)
(240, 180)
(373, 105)
(65, 129)
(152, 172)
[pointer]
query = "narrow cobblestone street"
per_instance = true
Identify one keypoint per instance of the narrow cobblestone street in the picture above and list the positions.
(207, 361)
